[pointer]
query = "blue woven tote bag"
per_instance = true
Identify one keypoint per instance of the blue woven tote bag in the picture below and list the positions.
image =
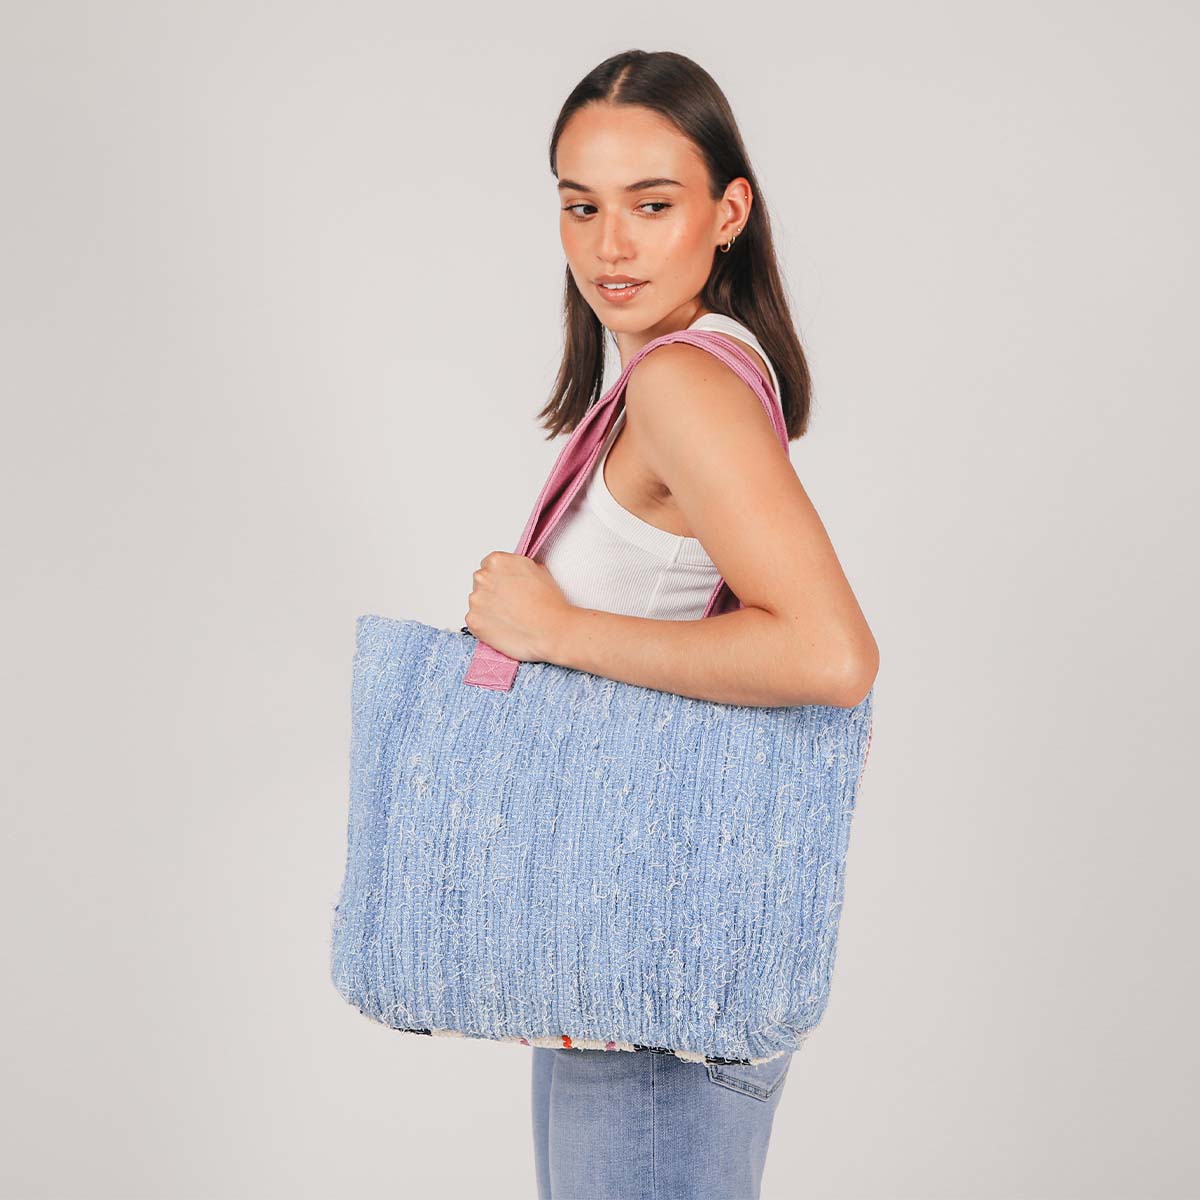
(542, 855)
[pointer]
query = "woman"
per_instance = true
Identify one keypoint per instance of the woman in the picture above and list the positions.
(664, 229)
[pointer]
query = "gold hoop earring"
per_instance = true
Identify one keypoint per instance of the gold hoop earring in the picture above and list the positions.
(729, 244)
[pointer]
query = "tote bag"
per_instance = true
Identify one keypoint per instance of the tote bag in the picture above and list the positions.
(543, 855)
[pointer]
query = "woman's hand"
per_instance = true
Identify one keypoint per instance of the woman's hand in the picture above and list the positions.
(516, 607)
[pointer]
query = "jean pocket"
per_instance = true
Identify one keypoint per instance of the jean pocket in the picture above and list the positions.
(760, 1080)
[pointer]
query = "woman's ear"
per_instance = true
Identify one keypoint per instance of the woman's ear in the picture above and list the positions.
(735, 205)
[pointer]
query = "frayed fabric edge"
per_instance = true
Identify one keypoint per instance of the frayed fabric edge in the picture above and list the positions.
(565, 1042)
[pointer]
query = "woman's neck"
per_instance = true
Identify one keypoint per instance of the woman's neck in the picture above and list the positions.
(628, 344)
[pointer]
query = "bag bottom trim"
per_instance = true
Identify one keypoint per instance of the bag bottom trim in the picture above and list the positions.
(566, 1042)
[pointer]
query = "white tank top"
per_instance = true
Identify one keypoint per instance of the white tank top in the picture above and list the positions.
(602, 556)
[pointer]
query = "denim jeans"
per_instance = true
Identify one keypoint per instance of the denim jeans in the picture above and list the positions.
(626, 1125)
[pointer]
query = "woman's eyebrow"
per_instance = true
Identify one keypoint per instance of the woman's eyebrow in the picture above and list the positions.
(640, 186)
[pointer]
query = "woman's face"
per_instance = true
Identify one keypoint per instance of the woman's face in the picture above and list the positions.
(634, 197)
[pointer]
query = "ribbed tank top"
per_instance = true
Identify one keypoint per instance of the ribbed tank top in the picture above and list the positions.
(604, 557)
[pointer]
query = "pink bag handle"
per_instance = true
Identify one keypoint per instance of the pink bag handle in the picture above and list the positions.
(490, 668)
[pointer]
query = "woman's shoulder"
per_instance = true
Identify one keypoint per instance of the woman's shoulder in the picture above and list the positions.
(676, 384)
(689, 363)
(741, 337)
(739, 344)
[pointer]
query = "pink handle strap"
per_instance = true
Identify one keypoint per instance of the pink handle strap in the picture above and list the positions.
(490, 668)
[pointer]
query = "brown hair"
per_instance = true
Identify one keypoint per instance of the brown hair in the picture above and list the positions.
(744, 284)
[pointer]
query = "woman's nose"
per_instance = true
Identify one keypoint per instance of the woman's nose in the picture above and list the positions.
(613, 245)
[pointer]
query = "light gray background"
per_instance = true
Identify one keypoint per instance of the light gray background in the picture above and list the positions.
(281, 289)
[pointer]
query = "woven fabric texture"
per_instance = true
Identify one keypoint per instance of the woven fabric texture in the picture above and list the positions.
(581, 861)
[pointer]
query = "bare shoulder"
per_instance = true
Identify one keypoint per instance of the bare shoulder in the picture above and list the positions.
(677, 373)
(749, 351)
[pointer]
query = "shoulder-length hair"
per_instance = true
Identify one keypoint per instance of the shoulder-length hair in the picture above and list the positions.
(744, 283)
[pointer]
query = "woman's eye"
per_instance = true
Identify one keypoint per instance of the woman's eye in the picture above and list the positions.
(658, 205)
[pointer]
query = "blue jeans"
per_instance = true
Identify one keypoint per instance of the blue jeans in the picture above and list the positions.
(626, 1125)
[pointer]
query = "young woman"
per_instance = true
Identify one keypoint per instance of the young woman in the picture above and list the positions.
(656, 192)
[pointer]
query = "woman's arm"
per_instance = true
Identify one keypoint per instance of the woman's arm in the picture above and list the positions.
(801, 637)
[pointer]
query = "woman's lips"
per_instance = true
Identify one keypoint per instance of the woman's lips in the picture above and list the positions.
(622, 295)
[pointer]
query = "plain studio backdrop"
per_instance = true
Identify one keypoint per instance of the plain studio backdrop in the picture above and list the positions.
(281, 290)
